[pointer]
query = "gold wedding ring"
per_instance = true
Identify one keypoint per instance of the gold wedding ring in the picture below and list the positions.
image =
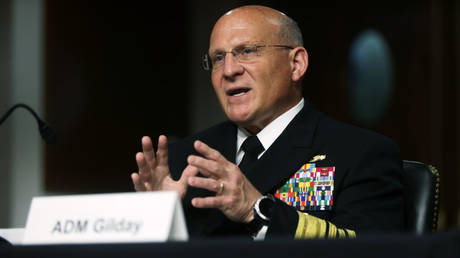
(221, 187)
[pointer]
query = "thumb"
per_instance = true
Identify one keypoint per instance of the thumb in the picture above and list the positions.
(189, 171)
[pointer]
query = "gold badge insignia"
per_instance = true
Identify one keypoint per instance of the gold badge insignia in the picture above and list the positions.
(318, 158)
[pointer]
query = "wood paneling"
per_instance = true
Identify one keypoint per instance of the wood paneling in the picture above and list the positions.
(114, 72)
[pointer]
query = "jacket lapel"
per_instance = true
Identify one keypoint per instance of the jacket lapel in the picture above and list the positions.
(292, 149)
(223, 140)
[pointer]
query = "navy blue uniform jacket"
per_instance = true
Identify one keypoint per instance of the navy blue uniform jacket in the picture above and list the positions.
(368, 194)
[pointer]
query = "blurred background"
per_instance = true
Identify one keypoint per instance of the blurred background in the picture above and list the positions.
(106, 73)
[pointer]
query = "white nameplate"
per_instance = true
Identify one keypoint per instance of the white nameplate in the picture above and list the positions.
(13, 235)
(104, 218)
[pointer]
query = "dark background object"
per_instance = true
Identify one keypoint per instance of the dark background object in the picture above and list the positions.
(113, 75)
(46, 132)
(421, 195)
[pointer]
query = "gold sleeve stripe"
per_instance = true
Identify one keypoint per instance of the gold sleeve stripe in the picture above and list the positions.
(332, 230)
(342, 233)
(351, 233)
(312, 227)
(301, 227)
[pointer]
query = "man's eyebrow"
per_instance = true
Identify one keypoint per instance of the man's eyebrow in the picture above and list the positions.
(216, 51)
(243, 44)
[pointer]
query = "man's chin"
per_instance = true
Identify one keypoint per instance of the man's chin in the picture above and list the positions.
(240, 119)
(246, 122)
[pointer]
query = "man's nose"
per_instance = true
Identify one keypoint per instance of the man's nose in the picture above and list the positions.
(231, 66)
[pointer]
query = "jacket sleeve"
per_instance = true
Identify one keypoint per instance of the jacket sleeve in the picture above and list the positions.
(287, 221)
(368, 199)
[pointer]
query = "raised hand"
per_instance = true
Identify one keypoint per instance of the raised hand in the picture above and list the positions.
(235, 195)
(154, 173)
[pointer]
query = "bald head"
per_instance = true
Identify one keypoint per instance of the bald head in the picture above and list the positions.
(276, 23)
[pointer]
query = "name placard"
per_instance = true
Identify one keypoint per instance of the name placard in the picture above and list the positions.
(105, 218)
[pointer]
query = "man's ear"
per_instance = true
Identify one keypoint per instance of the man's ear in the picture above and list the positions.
(299, 63)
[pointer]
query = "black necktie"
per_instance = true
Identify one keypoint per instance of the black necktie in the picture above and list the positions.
(252, 148)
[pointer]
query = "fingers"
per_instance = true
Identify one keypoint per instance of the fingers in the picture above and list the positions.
(148, 151)
(205, 183)
(189, 171)
(153, 167)
(162, 152)
(207, 151)
(158, 158)
(206, 167)
(138, 186)
(211, 202)
(235, 195)
(144, 168)
(213, 164)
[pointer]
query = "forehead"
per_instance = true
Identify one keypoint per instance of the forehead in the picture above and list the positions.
(234, 29)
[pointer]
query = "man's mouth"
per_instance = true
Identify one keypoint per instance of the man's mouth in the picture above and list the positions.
(237, 92)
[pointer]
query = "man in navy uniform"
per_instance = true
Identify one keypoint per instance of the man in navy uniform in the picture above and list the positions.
(277, 167)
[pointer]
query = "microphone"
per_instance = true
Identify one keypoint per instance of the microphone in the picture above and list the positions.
(48, 134)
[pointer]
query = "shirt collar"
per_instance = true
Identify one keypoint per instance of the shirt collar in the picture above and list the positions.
(274, 129)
